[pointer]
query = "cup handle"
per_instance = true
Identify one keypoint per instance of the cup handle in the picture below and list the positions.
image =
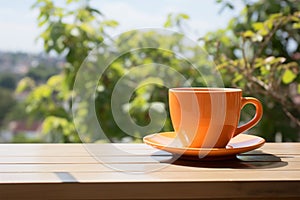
(255, 119)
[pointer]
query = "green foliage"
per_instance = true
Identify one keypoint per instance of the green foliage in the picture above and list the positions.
(260, 59)
(18, 113)
(49, 100)
(146, 81)
(253, 53)
(75, 40)
(176, 20)
(22, 138)
(7, 102)
(72, 30)
(25, 84)
(8, 81)
(288, 76)
(41, 73)
(53, 126)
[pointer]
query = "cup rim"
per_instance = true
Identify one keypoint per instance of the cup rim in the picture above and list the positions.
(204, 90)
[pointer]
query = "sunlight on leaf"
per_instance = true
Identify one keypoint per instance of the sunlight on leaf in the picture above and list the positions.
(296, 26)
(248, 34)
(110, 23)
(184, 16)
(25, 84)
(258, 26)
(55, 80)
(288, 76)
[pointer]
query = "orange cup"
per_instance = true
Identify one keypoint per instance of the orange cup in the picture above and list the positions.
(209, 117)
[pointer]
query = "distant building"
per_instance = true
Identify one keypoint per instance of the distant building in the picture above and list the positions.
(30, 130)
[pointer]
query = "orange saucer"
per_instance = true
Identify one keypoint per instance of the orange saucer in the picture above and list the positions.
(239, 144)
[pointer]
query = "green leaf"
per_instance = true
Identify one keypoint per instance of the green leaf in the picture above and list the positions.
(258, 26)
(288, 76)
(295, 19)
(183, 16)
(248, 34)
(298, 88)
(55, 81)
(237, 78)
(168, 22)
(276, 15)
(296, 25)
(53, 123)
(265, 70)
(297, 13)
(110, 23)
(69, 1)
(269, 24)
(43, 20)
(87, 28)
(25, 84)
(42, 91)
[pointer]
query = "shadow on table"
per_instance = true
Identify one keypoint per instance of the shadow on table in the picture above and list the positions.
(255, 160)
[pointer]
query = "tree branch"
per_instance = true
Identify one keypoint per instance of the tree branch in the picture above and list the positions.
(265, 42)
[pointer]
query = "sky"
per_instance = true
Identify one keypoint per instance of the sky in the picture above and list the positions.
(19, 30)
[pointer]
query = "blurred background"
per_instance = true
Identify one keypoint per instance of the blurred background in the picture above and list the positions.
(254, 45)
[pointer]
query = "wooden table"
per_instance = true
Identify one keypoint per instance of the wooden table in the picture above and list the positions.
(137, 171)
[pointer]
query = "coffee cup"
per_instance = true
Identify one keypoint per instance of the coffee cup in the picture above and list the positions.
(209, 117)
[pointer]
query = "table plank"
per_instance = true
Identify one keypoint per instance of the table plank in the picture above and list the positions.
(156, 176)
(147, 163)
(117, 149)
(146, 167)
(138, 171)
(135, 159)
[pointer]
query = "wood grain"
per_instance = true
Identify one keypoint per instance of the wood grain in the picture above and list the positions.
(138, 171)
(118, 149)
